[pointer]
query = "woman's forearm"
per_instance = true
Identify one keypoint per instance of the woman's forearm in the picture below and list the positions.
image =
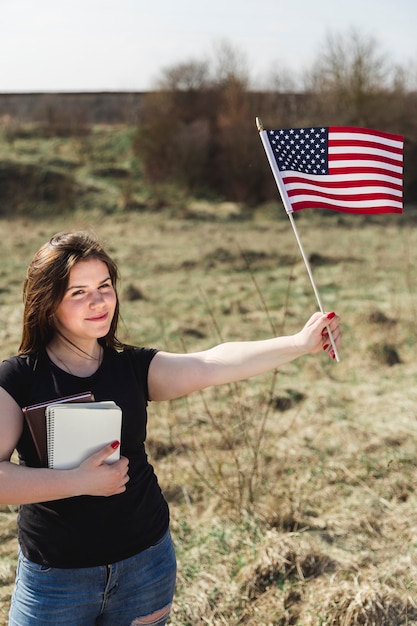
(26, 485)
(93, 477)
(230, 362)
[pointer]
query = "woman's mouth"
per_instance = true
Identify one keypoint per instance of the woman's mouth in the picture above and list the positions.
(102, 317)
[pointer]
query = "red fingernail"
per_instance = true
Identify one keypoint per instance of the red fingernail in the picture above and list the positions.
(115, 445)
(331, 315)
(326, 345)
(332, 354)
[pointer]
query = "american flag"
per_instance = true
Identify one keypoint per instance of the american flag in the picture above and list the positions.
(355, 170)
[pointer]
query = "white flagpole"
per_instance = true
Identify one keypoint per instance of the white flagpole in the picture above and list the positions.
(289, 211)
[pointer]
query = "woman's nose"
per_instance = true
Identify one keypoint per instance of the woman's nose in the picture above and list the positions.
(96, 298)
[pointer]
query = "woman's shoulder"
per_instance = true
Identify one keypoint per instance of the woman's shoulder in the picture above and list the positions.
(139, 355)
(136, 358)
(18, 366)
(16, 373)
(19, 363)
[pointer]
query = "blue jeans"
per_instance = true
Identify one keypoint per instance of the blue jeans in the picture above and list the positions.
(132, 592)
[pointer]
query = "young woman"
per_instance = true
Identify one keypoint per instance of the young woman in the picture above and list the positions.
(94, 541)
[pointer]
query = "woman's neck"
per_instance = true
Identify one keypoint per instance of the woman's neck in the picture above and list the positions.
(78, 360)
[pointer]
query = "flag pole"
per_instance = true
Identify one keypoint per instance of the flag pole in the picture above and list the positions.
(289, 211)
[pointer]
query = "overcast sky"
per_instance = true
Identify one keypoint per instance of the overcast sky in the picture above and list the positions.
(90, 45)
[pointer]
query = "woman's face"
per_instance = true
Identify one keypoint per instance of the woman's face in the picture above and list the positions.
(88, 305)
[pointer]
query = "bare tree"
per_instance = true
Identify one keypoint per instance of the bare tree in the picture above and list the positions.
(190, 75)
(194, 122)
(229, 65)
(349, 78)
(198, 128)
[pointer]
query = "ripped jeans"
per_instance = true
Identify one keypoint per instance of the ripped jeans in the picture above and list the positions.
(135, 592)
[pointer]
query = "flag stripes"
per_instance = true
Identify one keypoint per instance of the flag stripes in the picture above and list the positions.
(348, 169)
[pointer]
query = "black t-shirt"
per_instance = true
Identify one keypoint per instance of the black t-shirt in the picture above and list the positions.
(87, 531)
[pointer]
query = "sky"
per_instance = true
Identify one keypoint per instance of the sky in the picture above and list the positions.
(124, 45)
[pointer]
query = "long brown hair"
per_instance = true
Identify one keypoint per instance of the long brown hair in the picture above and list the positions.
(47, 281)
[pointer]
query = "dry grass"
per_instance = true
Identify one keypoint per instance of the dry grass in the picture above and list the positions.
(293, 495)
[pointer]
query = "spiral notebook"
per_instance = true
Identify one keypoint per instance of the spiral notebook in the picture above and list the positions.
(75, 431)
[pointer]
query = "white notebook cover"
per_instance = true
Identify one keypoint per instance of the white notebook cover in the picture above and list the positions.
(75, 431)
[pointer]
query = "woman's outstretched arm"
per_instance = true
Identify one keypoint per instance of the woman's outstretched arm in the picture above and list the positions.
(174, 375)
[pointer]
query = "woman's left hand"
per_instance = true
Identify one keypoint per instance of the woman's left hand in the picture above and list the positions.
(315, 334)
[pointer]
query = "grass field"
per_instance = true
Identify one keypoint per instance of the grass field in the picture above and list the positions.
(292, 495)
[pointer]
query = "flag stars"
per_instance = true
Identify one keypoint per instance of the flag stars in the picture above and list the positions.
(301, 149)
